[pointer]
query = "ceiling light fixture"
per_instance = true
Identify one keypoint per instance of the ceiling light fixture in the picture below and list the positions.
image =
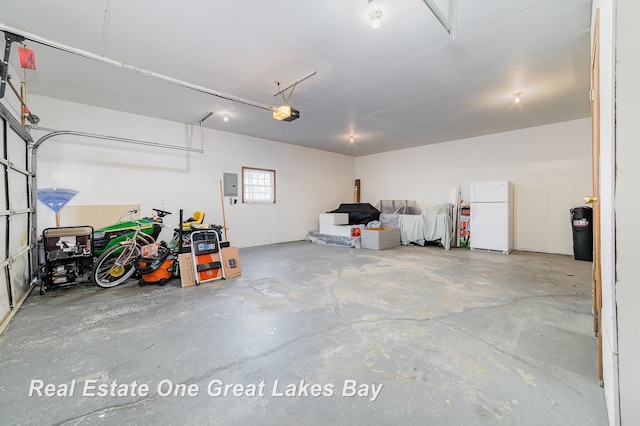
(375, 16)
(226, 116)
(351, 139)
(517, 99)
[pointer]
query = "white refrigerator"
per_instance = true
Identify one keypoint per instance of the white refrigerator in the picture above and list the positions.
(491, 223)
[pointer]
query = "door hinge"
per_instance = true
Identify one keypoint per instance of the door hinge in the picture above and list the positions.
(591, 95)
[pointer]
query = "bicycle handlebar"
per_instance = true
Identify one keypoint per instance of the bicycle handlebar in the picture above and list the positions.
(130, 213)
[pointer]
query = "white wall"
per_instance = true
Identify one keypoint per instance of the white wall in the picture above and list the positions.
(608, 327)
(107, 172)
(627, 206)
(550, 167)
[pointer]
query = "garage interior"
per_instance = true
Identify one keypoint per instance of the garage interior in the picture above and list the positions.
(137, 106)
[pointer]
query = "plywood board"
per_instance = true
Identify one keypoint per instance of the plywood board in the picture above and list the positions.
(95, 215)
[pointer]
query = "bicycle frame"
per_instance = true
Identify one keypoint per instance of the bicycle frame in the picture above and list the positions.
(139, 239)
(119, 263)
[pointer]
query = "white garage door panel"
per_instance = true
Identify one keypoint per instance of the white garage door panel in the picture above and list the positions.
(18, 191)
(18, 233)
(17, 180)
(4, 289)
(19, 272)
(4, 295)
(16, 151)
(3, 217)
(4, 286)
(15, 214)
(19, 243)
(3, 190)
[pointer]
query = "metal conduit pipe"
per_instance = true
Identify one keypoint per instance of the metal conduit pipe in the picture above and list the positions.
(107, 137)
(83, 53)
(34, 175)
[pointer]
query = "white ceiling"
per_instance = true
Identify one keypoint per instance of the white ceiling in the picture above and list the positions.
(404, 84)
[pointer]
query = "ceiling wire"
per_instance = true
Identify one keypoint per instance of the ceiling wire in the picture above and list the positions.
(105, 27)
(284, 99)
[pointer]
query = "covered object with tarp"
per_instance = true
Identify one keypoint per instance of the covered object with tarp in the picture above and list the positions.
(391, 210)
(432, 224)
(359, 213)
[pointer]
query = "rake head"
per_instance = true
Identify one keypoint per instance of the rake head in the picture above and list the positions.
(55, 198)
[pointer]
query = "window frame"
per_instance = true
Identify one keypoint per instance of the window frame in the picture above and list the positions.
(258, 169)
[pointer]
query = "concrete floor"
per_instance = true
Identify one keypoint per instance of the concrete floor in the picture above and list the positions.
(451, 337)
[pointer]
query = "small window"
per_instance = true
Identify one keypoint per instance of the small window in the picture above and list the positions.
(258, 186)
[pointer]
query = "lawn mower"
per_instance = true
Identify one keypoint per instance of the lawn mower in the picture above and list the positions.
(111, 235)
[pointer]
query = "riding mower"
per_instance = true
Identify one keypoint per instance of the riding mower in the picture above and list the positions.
(111, 235)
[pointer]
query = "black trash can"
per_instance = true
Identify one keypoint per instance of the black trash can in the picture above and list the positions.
(581, 222)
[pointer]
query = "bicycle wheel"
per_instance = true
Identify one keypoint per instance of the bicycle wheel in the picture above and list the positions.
(146, 266)
(109, 269)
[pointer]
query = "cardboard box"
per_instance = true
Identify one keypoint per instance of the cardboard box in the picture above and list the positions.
(340, 230)
(334, 218)
(231, 260)
(380, 238)
(187, 276)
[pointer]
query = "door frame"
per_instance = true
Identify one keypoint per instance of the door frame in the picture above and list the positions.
(595, 166)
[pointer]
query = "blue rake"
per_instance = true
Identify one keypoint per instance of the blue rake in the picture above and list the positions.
(56, 198)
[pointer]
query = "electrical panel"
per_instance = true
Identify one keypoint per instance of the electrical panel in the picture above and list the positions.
(230, 184)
